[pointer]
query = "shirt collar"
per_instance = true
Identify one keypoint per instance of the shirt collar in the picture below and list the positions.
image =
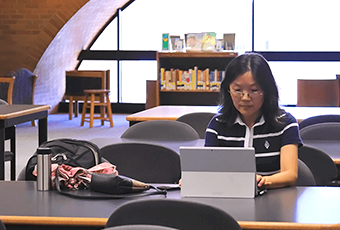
(259, 122)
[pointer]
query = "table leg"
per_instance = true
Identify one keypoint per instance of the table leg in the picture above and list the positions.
(42, 130)
(2, 154)
(70, 108)
(76, 108)
(13, 150)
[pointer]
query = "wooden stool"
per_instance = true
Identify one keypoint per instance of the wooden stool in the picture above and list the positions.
(90, 102)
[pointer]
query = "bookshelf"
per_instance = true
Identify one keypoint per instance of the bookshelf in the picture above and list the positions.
(185, 61)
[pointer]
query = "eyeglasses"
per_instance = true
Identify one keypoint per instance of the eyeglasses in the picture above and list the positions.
(252, 94)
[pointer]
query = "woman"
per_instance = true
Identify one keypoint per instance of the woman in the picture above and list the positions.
(251, 117)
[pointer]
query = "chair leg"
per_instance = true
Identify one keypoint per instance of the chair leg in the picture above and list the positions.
(76, 108)
(84, 110)
(13, 150)
(102, 108)
(33, 123)
(109, 111)
(92, 109)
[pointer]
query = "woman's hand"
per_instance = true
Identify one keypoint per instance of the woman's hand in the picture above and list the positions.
(262, 181)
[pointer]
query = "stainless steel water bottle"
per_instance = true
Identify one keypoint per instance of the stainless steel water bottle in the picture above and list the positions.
(44, 169)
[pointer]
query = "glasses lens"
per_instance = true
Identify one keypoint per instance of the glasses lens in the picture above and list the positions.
(239, 94)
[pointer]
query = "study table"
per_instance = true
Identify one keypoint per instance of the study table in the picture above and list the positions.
(287, 208)
(174, 145)
(167, 112)
(11, 115)
(172, 112)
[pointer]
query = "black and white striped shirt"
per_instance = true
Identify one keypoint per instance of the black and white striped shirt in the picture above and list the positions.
(266, 141)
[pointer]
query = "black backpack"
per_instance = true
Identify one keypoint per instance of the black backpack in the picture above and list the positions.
(76, 153)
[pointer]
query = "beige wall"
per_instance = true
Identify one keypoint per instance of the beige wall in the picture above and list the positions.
(46, 36)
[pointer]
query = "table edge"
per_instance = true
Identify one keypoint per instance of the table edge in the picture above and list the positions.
(101, 222)
(36, 109)
(285, 225)
(47, 220)
(132, 118)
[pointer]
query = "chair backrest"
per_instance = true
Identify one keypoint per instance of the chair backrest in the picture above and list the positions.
(322, 131)
(79, 80)
(2, 226)
(140, 227)
(305, 175)
(319, 119)
(166, 130)
(180, 214)
(8, 84)
(320, 92)
(198, 120)
(3, 102)
(24, 85)
(322, 166)
(145, 162)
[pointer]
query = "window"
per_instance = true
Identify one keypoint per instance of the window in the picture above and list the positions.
(282, 29)
(303, 25)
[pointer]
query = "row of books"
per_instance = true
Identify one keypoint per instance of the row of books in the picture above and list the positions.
(191, 79)
(205, 41)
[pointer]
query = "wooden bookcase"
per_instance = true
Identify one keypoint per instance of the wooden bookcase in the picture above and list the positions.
(185, 61)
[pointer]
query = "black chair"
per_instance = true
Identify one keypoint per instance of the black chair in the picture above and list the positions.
(319, 119)
(198, 120)
(323, 131)
(322, 166)
(179, 214)
(166, 130)
(145, 162)
(305, 175)
(139, 227)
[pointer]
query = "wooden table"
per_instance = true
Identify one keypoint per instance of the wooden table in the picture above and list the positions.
(172, 112)
(287, 208)
(11, 115)
(167, 112)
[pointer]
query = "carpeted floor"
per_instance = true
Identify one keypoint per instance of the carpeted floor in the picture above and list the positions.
(59, 126)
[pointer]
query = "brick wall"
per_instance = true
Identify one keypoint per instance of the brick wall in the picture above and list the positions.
(46, 36)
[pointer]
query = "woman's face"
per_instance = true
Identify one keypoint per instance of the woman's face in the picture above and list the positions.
(247, 96)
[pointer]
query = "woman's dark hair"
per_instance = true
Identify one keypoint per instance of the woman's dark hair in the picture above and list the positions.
(263, 76)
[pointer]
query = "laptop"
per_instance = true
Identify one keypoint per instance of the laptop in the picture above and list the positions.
(228, 172)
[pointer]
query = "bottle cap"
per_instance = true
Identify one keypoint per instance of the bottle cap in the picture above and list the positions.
(43, 150)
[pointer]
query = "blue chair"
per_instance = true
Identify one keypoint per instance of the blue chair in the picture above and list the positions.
(23, 89)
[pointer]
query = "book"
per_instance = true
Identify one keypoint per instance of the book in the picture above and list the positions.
(194, 78)
(174, 39)
(200, 80)
(180, 82)
(165, 41)
(229, 41)
(206, 74)
(162, 77)
(193, 42)
(208, 41)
